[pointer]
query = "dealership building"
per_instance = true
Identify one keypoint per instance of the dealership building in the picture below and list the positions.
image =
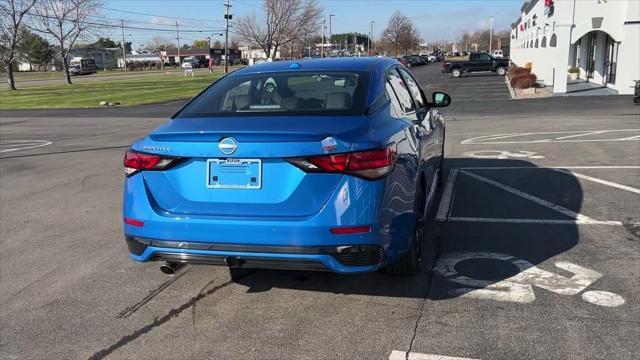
(599, 37)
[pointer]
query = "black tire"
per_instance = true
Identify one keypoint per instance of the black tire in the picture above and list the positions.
(409, 263)
(501, 71)
(636, 100)
(456, 73)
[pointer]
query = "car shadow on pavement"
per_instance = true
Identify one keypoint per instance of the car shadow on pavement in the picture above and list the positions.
(474, 235)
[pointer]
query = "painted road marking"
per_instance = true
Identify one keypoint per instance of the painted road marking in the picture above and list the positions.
(530, 197)
(446, 203)
(402, 355)
(447, 196)
(501, 154)
(15, 145)
(603, 298)
(537, 221)
(548, 167)
(519, 288)
(599, 181)
(488, 139)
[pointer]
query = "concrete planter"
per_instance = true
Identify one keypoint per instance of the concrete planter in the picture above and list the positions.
(574, 76)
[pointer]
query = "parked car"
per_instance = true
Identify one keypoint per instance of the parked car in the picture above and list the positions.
(414, 60)
(636, 92)
(477, 62)
(403, 61)
(497, 53)
(326, 164)
(429, 58)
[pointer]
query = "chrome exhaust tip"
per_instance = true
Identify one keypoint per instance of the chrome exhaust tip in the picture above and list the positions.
(170, 268)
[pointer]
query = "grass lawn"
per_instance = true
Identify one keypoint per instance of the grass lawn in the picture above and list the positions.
(47, 75)
(148, 89)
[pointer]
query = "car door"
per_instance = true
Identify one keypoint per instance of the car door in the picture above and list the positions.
(485, 63)
(428, 131)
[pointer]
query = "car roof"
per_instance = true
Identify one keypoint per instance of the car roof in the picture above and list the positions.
(341, 63)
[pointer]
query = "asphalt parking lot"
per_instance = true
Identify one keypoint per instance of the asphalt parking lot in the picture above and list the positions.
(535, 253)
(476, 86)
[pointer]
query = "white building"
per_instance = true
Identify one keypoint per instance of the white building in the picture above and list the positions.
(255, 53)
(600, 37)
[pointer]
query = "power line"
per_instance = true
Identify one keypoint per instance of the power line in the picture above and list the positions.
(161, 16)
(127, 27)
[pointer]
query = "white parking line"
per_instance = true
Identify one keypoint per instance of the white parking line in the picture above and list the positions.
(535, 221)
(402, 355)
(532, 198)
(447, 196)
(599, 181)
(485, 139)
(15, 145)
(446, 203)
(549, 167)
(578, 135)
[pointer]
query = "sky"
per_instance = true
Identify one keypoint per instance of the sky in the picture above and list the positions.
(435, 19)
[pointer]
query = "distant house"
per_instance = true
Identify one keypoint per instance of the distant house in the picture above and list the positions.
(255, 53)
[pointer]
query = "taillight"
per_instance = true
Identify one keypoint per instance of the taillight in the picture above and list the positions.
(136, 161)
(349, 230)
(370, 164)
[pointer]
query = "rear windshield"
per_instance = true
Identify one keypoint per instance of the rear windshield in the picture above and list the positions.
(284, 93)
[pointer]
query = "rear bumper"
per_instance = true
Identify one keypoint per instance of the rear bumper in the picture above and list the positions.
(339, 259)
(279, 242)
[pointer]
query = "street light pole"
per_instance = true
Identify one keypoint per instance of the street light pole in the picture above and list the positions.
(330, 33)
(491, 36)
(324, 28)
(370, 40)
(226, 36)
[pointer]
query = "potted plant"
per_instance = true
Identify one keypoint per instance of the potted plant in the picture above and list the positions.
(574, 72)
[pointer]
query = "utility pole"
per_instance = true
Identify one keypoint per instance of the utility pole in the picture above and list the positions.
(330, 33)
(226, 35)
(178, 38)
(124, 52)
(324, 28)
(491, 36)
(370, 40)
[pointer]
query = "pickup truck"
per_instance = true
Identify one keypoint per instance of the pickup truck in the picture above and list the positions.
(477, 62)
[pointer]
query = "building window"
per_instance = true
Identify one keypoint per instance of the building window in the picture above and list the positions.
(536, 45)
(553, 41)
(544, 42)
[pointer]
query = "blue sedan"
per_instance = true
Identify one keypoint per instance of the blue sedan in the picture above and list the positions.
(326, 164)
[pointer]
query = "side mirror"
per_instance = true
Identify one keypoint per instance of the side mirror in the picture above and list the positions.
(440, 99)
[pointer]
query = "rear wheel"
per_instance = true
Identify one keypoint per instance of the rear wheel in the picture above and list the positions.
(456, 73)
(409, 263)
(501, 71)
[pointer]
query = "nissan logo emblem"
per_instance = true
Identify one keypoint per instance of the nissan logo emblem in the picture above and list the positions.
(228, 146)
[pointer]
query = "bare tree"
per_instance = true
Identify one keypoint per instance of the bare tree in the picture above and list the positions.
(400, 34)
(285, 21)
(12, 13)
(64, 21)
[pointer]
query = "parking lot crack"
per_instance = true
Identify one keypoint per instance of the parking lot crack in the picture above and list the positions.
(162, 320)
(135, 307)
